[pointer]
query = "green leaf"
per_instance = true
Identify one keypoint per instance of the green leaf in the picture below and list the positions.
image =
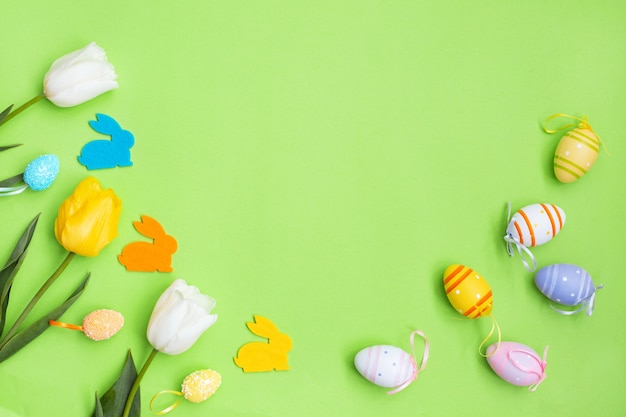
(30, 333)
(10, 182)
(98, 412)
(5, 113)
(114, 400)
(7, 147)
(10, 269)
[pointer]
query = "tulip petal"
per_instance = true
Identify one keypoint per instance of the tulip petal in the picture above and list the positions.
(179, 318)
(79, 76)
(188, 335)
(87, 221)
(164, 326)
(66, 60)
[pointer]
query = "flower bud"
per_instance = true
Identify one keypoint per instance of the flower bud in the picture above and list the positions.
(87, 220)
(79, 76)
(179, 318)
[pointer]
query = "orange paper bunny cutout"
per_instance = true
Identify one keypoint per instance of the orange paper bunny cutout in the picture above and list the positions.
(149, 257)
(262, 357)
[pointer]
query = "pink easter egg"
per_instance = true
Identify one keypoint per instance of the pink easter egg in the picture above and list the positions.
(516, 363)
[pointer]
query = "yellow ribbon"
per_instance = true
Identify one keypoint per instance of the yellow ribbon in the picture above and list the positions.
(494, 326)
(583, 123)
(169, 408)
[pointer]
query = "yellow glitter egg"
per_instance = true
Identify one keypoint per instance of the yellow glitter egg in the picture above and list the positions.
(200, 385)
(102, 324)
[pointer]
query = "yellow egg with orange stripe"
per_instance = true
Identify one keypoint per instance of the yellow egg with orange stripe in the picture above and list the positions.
(467, 291)
(535, 224)
(575, 154)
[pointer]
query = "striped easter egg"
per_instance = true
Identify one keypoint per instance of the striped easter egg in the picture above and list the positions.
(467, 291)
(385, 366)
(516, 363)
(536, 224)
(575, 154)
(567, 284)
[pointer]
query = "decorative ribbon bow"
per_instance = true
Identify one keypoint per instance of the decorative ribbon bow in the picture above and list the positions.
(416, 370)
(510, 241)
(587, 303)
(583, 123)
(542, 364)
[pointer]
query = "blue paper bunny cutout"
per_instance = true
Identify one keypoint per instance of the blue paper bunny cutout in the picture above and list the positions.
(99, 154)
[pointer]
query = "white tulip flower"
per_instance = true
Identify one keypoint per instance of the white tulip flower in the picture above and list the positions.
(181, 314)
(71, 80)
(179, 318)
(79, 76)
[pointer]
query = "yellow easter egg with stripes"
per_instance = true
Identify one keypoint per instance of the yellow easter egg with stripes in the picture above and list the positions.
(575, 154)
(467, 291)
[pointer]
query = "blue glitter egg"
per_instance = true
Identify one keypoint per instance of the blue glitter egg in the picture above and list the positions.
(41, 172)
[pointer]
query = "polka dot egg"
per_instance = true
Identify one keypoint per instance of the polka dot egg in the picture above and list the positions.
(467, 291)
(200, 385)
(41, 172)
(535, 224)
(567, 284)
(575, 154)
(516, 363)
(384, 365)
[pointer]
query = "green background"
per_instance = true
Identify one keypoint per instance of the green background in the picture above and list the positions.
(321, 163)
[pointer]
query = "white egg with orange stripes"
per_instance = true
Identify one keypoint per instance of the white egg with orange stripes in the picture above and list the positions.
(536, 224)
(532, 226)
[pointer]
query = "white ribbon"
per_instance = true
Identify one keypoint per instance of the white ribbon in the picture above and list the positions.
(587, 303)
(510, 241)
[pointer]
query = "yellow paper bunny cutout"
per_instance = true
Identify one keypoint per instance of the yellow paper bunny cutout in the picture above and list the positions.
(264, 357)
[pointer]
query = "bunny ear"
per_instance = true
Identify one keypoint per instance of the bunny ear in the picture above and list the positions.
(149, 227)
(105, 124)
(263, 327)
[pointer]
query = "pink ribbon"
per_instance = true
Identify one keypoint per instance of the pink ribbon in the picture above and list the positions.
(416, 370)
(542, 364)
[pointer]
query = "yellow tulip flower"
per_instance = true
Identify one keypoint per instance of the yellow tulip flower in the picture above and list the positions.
(87, 220)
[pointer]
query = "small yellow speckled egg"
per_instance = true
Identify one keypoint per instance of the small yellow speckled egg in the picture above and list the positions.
(200, 385)
(102, 324)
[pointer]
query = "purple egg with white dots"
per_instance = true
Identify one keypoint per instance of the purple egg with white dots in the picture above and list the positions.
(569, 285)
(384, 365)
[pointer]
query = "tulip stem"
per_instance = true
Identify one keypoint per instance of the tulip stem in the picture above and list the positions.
(23, 107)
(135, 387)
(36, 298)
